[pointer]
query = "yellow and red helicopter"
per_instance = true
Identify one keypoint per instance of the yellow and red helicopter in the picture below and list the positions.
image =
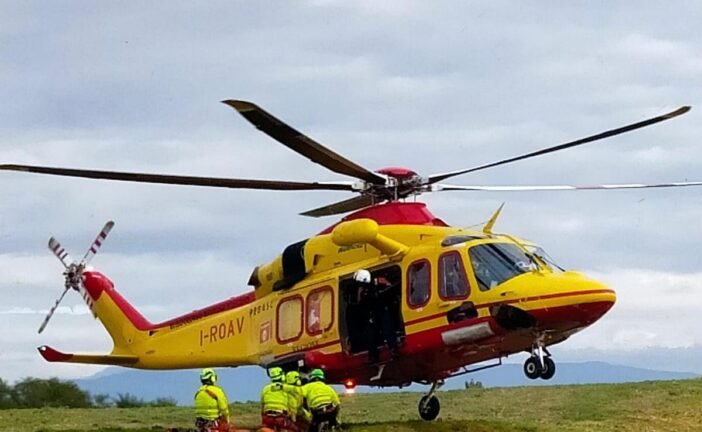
(458, 296)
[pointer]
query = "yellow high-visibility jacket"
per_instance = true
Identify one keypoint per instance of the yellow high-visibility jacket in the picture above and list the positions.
(296, 402)
(318, 393)
(211, 403)
(275, 398)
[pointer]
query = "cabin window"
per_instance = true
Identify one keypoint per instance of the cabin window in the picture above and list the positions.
(452, 277)
(320, 311)
(289, 319)
(419, 283)
(495, 263)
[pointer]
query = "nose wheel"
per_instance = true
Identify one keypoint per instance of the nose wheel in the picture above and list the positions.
(429, 405)
(540, 364)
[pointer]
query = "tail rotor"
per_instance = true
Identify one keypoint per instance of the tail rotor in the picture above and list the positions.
(73, 272)
(95, 247)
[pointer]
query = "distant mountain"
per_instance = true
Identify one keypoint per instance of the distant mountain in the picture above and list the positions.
(511, 375)
(241, 384)
(245, 383)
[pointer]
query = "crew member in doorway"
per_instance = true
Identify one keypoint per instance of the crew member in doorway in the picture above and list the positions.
(211, 406)
(322, 400)
(379, 305)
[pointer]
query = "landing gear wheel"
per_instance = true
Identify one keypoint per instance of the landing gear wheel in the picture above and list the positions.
(532, 368)
(549, 369)
(429, 407)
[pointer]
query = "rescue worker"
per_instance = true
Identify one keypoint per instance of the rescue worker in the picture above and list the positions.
(296, 401)
(380, 308)
(211, 406)
(275, 408)
(322, 400)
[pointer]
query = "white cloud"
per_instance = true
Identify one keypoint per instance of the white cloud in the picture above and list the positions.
(669, 54)
(61, 310)
(653, 309)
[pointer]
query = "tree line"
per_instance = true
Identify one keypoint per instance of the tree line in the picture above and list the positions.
(53, 392)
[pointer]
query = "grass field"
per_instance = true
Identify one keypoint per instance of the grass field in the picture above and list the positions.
(641, 407)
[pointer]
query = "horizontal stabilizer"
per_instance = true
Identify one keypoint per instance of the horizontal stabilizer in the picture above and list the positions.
(53, 355)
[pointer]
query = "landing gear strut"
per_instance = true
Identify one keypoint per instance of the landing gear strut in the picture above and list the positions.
(429, 405)
(539, 365)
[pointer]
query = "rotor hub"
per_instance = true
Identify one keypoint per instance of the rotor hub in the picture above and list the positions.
(397, 172)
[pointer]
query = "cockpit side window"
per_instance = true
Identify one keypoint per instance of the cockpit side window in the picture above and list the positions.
(418, 283)
(495, 263)
(452, 277)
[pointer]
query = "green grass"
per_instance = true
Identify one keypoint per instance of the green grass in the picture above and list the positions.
(641, 407)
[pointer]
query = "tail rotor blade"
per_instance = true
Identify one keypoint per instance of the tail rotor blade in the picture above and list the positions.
(52, 310)
(60, 252)
(97, 243)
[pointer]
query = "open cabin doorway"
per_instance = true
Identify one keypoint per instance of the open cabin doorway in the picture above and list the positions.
(353, 313)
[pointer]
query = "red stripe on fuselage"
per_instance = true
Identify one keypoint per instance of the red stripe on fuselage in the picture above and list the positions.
(476, 320)
(513, 301)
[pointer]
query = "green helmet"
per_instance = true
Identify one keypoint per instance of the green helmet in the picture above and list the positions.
(276, 374)
(208, 375)
(293, 378)
(317, 375)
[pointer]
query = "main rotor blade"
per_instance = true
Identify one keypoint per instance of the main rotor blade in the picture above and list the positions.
(52, 310)
(301, 143)
(95, 247)
(182, 180)
(443, 187)
(682, 110)
(341, 207)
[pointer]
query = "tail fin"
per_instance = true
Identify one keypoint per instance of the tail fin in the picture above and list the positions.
(124, 324)
(122, 321)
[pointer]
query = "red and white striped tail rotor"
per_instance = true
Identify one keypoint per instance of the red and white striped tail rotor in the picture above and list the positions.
(52, 310)
(73, 272)
(60, 252)
(95, 247)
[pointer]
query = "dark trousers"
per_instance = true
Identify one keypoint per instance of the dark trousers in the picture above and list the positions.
(327, 414)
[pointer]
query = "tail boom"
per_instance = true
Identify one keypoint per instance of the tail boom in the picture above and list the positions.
(217, 335)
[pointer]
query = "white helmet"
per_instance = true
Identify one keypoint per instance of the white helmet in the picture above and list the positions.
(362, 276)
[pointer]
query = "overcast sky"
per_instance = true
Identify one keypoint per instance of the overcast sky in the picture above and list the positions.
(432, 86)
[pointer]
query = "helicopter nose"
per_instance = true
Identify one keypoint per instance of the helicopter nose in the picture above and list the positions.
(574, 308)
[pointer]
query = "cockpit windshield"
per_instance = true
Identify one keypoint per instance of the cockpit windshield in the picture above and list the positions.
(495, 263)
(543, 256)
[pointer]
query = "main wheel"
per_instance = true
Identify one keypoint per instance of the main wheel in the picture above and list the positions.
(431, 408)
(549, 369)
(532, 368)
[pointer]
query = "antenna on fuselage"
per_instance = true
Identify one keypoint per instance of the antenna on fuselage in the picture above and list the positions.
(487, 229)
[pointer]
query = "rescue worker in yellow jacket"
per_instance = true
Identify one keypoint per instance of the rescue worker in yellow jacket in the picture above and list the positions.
(211, 405)
(322, 400)
(275, 403)
(296, 401)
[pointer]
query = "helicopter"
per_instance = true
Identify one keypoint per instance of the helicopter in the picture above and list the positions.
(457, 298)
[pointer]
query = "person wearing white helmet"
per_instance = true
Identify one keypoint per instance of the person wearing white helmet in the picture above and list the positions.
(376, 302)
(362, 276)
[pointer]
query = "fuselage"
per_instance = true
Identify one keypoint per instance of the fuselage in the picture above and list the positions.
(463, 297)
